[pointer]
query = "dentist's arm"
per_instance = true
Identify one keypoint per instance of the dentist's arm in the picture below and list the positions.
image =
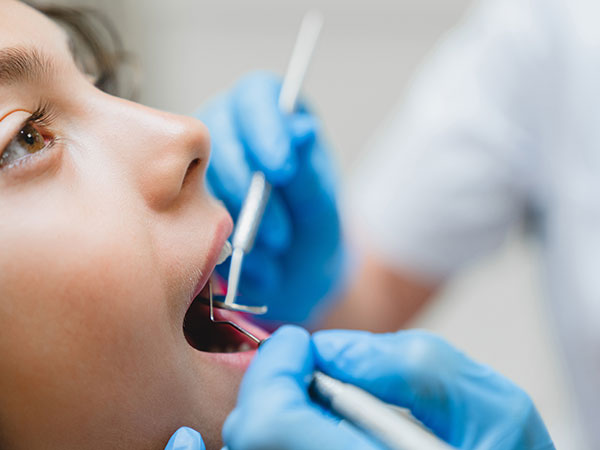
(452, 171)
(379, 297)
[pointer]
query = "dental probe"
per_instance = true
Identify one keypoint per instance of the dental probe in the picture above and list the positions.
(393, 428)
(227, 322)
(389, 426)
(257, 197)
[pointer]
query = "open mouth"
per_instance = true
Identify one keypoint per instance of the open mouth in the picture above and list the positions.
(206, 336)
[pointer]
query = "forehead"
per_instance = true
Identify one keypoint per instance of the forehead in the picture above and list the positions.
(23, 26)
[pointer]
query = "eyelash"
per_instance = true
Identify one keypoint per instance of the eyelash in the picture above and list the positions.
(42, 120)
(43, 117)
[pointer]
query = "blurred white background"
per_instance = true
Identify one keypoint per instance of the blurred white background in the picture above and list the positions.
(191, 49)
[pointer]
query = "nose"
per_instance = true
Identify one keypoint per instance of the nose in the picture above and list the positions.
(162, 152)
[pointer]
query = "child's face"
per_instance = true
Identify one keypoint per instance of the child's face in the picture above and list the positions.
(106, 231)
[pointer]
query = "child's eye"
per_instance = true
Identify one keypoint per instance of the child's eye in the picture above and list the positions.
(27, 141)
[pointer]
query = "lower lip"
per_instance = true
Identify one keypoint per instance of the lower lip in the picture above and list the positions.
(238, 361)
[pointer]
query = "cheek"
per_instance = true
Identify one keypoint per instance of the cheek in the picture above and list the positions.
(85, 323)
(91, 316)
(69, 274)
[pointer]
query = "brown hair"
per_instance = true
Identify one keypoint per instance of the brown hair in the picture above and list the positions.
(97, 48)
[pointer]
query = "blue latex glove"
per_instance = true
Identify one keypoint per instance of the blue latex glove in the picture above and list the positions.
(465, 403)
(185, 439)
(274, 410)
(298, 254)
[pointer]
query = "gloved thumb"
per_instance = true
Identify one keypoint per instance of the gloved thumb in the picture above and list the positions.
(262, 126)
(303, 128)
(441, 386)
(412, 369)
(185, 439)
(274, 409)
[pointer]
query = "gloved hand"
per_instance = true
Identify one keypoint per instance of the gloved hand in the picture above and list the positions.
(185, 439)
(465, 403)
(297, 258)
(274, 410)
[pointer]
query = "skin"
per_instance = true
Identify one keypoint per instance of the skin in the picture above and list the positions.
(103, 238)
(380, 298)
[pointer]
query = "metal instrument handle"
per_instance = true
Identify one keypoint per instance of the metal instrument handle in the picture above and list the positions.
(251, 213)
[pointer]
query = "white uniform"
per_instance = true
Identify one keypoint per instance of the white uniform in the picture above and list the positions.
(504, 117)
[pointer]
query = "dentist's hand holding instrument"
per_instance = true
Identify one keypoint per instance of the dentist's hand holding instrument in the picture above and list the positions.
(260, 127)
(466, 404)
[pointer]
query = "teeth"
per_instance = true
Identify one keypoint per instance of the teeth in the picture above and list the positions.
(225, 253)
(244, 347)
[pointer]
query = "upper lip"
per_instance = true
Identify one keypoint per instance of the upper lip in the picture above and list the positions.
(222, 232)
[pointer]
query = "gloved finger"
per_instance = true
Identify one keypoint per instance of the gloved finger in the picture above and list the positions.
(310, 194)
(274, 409)
(228, 174)
(464, 402)
(262, 274)
(303, 128)
(413, 369)
(262, 126)
(298, 427)
(230, 184)
(275, 230)
(185, 439)
(285, 361)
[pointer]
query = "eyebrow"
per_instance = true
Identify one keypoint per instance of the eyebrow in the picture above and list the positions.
(19, 64)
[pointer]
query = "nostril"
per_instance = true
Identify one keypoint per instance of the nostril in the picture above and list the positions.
(191, 169)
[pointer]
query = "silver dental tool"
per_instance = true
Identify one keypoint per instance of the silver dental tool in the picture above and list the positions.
(394, 428)
(246, 228)
(227, 322)
(257, 197)
(385, 423)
